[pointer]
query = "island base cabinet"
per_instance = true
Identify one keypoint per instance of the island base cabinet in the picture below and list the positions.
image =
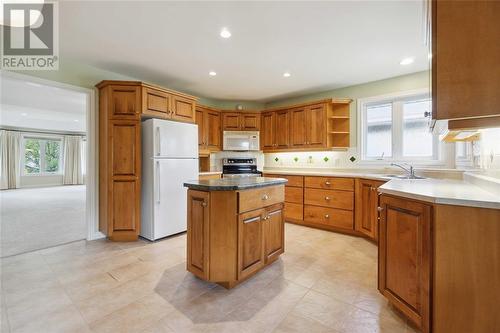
(198, 223)
(405, 257)
(226, 245)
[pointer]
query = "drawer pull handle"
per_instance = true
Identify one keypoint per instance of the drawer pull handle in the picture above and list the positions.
(254, 219)
(327, 183)
(327, 216)
(265, 197)
(327, 198)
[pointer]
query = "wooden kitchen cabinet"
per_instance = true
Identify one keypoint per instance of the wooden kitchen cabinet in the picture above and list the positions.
(240, 121)
(209, 129)
(233, 234)
(465, 53)
(274, 133)
(405, 257)
(250, 240)
(310, 126)
(122, 104)
(366, 204)
(267, 132)
(119, 161)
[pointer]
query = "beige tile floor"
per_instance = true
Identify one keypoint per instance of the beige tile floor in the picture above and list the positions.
(325, 282)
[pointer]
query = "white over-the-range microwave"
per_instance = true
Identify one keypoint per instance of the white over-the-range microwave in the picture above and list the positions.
(241, 140)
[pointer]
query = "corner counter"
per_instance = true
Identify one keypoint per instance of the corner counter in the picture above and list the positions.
(235, 227)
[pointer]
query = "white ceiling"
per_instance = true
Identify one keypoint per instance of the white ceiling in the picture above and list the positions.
(30, 105)
(324, 45)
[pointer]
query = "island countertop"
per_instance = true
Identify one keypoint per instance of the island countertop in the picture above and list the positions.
(233, 184)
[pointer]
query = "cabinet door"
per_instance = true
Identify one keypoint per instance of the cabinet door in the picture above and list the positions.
(267, 130)
(198, 215)
(250, 121)
(250, 243)
(213, 133)
(156, 103)
(367, 207)
(405, 257)
(231, 121)
(465, 70)
(282, 129)
(202, 128)
(298, 128)
(315, 126)
(125, 102)
(274, 233)
(183, 109)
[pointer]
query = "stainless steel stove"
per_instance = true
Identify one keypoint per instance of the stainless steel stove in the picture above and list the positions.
(240, 168)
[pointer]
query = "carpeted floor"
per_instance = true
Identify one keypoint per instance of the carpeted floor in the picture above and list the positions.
(36, 218)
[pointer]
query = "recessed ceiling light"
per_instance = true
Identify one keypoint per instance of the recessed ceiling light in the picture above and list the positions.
(407, 61)
(212, 73)
(225, 33)
(76, 120)
(287, 74)
(24, 114)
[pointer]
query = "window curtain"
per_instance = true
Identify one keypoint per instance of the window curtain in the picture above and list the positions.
(10, 159)
(73, 174)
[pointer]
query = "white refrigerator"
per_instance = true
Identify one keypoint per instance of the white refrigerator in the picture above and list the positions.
(169, 158)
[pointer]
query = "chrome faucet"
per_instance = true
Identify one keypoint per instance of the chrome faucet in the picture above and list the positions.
(409, 169)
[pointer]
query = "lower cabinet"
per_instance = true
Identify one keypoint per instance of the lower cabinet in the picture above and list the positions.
(366, 204)
(405, 257)
(228, 241)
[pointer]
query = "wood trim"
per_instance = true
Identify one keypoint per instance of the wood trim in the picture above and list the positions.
(311, 103)
(105, 83)
(474, 123)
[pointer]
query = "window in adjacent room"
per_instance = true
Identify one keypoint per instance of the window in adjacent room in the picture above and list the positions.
(396, 128)
(42, 156)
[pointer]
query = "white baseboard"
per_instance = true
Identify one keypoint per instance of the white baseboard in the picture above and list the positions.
(96, 235)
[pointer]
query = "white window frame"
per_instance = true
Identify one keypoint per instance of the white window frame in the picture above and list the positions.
(397, 100)
(43, 138)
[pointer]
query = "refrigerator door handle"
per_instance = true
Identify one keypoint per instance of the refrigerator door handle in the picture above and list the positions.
(158, 198)
(158, 141)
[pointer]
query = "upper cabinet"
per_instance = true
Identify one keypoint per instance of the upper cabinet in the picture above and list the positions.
(209, 128)
(314, 126)
(133, 99)
(241, 121)
(465, 53)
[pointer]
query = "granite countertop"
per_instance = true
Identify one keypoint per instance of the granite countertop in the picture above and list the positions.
(443, 191)
(233, 184)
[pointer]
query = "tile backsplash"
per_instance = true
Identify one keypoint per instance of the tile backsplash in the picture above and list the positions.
(316, 159)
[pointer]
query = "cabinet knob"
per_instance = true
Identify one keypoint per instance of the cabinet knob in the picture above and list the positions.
(327, 216)
(204, 204)
(380, 209)
(265, 197)
(327, 198)
(328, 183)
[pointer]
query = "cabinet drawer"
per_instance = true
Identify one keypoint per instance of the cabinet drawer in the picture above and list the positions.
(329, 216)
(329, 198)
(294, 194)
(294, 211)
(294, 181)
(260, 197)
(331, 183)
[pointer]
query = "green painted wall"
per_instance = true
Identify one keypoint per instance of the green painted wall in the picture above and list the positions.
(419, 80)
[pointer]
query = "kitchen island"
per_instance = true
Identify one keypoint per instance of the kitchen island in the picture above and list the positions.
(235, 227)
